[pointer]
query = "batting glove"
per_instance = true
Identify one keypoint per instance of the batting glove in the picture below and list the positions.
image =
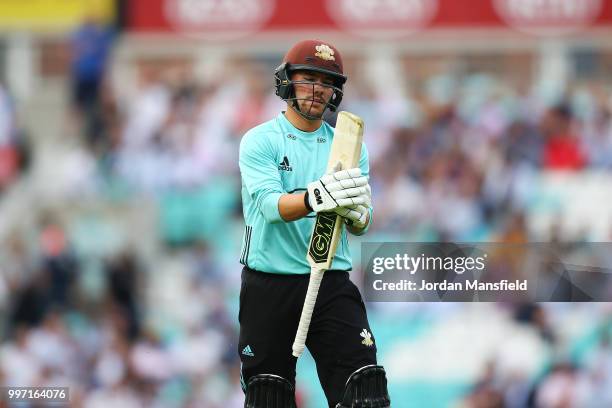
(339, 189)
(355, 215)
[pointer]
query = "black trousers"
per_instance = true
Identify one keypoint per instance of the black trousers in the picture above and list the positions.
(339, 339)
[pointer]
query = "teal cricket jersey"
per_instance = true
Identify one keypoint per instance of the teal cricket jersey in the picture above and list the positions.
(277, 158)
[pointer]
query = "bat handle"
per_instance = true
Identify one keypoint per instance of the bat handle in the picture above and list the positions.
(316, 275)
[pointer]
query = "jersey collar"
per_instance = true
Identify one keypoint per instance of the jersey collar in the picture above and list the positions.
(285, 124)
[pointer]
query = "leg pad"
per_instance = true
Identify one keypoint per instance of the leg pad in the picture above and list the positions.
(366, 388)
(269, 391)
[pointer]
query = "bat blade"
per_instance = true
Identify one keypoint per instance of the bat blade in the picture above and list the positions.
(344, 154)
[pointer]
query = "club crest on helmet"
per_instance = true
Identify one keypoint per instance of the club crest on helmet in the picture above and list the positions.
(325, 52)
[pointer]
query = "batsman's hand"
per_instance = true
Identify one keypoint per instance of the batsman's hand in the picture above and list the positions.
(357, 215)
(339, 189)
(354, 215)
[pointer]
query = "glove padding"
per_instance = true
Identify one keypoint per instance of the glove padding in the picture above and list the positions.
(339, 189)
(357, 215)
(354, 215)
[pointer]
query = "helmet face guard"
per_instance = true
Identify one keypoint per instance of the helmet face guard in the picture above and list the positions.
(286, 90)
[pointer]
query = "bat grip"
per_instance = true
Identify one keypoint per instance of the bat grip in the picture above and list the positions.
(316, 275)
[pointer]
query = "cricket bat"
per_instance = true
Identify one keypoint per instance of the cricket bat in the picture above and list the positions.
(344, 154)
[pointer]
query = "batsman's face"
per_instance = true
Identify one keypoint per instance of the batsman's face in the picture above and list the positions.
(313, 90)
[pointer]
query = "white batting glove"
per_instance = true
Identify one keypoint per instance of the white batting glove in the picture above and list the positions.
(355, 215)
(339, 189)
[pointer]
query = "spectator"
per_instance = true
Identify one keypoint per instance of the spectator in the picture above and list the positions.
(90, 46)
(123, 275)
(58, 261)
(14, 151)
(558, 389)
(563, 149)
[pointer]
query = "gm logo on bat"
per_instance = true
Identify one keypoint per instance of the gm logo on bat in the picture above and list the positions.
(321, 238)
(317, 194)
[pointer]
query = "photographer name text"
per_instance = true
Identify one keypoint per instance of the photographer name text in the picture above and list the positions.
(407, 285)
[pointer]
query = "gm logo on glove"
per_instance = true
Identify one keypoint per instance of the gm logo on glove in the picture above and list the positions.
(317, 194)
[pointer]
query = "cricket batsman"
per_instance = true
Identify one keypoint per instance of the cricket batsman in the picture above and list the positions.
(283, 164)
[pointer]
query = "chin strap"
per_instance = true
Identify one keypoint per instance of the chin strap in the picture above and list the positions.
(306, 116)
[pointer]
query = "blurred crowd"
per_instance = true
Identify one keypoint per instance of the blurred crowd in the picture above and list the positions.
(57, 334)
(575, 376)
(460, 167)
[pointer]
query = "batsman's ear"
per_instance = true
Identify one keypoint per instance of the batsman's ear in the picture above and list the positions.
(283, 84)
(336, 98)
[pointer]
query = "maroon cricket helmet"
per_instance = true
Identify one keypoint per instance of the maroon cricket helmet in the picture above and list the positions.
(315, 55)
(311, 55)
